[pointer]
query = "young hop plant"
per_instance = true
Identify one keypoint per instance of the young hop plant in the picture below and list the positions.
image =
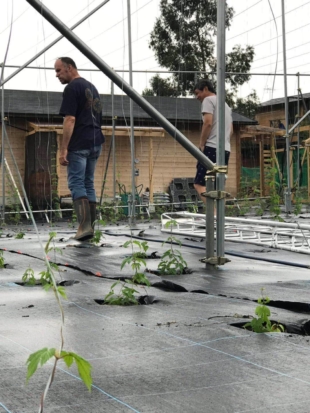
(262, 323)
(136, 260)
(41, 357)
(172, 261)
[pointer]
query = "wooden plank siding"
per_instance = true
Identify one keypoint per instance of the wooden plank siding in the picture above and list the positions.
(17, 143)
(265, 117)
(170, 160)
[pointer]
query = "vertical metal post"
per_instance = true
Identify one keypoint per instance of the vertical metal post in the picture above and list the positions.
(113, 140)
(2, 150)
(132, 212)
(287, 193)
(209, 221)
(298, 130)
(220, 108)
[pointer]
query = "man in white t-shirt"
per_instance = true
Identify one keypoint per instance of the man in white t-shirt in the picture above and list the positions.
(205, 93)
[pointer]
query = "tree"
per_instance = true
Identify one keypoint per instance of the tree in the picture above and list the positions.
(247, 106)
(161, 87)
(183, 40)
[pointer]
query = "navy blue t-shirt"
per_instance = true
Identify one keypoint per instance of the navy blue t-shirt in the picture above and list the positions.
(81, 100)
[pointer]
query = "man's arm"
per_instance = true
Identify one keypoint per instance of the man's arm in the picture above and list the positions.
(206, 130)
(68, 126)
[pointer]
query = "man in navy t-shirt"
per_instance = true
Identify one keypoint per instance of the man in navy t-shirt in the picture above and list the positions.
(81, 142)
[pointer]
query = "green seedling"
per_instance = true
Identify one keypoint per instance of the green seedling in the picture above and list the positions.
(41, 357)
(20, 235)
(262, 323)
(2, 263)
(125, 296)
(136, 261)
(172, 261)
(97, 233)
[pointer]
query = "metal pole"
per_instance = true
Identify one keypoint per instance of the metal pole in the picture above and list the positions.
(132, 215)
(287, 193)
(166, 71)
(209, 222)
(51, 44)
(2, 150)
(298, 134)
(220, 129)
(143, 103)
(113, 141)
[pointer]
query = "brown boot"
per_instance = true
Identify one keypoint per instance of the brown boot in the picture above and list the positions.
(82, 210)
(93, 213)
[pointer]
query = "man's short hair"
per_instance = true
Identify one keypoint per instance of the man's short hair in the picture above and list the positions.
(68, 61)
(201, 84)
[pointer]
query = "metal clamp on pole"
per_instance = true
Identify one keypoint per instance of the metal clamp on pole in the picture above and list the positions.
(215, 260)
(216, 194)
(221, 169)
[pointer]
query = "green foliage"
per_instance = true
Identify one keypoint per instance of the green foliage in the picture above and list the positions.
(183, 39)
(29, 277)
(162, 87)
(20, 235)
(136, 260)
(110, 213)
(46, 276)
(172, 261)
(2, 263)
(247, 106)
(125, 296)
(41, 357)
(37, 359)
(262, 323)
(97, 233)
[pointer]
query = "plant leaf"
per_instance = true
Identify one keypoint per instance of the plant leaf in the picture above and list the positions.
(37, 359)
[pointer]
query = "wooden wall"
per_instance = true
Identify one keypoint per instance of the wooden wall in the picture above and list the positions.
(170, 160)
(265, 118)
(17, 143)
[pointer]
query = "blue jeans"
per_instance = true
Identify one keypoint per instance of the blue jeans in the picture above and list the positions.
(81, 170)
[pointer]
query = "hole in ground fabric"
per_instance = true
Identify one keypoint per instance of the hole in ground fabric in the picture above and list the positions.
(142, 300)
(156, 272)
(302, 328)
(169, 286)
(63, 283)
(153, 256)
(290, 305)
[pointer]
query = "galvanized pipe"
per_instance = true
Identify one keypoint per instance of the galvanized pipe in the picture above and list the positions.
(165, 71)
(220, 128)
(144, 104)
(20, 68)
(288, 200)
(132, 210)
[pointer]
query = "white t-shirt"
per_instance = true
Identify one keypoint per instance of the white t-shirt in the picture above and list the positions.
(209, 106)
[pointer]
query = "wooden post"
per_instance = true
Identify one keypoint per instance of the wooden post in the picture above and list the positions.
(151, 166)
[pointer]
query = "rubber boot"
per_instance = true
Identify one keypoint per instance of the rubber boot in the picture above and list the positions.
(82, 210)
(93, 213)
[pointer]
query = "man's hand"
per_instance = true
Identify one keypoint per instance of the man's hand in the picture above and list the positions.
(63, 157)
(202, 147)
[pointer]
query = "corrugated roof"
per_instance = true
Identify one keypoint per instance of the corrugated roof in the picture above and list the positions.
(280, 101)
(29, 102)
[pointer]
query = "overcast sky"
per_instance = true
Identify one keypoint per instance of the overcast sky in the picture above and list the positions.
(106, 33)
